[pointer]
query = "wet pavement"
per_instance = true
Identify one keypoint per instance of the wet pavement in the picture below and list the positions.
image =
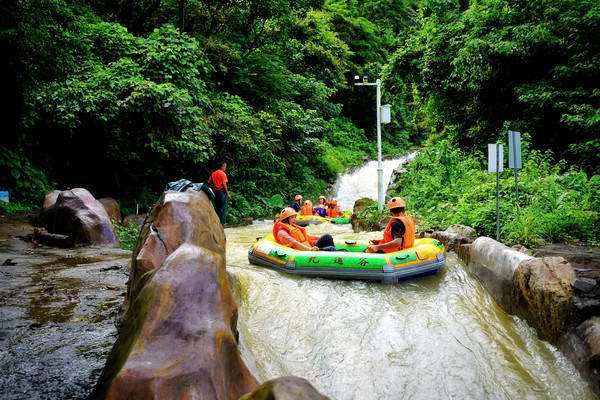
(59, 310)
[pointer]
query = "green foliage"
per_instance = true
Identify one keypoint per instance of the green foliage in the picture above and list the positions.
(444, 186)
(127, 234)
(18, 207)
(530, 66)
(136, 113)
(25, 181)
(372, 215)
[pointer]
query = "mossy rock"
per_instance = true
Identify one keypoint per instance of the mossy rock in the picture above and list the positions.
(363, 224)
(361, 204)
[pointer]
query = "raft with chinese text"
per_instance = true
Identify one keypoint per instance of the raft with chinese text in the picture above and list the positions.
(426, 257)
(305, 220)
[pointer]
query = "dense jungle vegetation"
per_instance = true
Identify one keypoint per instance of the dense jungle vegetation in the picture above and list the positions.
(122, 97)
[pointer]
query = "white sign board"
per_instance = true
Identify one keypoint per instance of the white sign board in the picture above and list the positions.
(514, 150)
(495, 158)
(386, 114)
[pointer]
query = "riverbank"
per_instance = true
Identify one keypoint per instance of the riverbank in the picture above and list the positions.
(83, 335)
(59, 313)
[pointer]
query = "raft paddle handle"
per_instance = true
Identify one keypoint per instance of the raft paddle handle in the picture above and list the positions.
(280, 255)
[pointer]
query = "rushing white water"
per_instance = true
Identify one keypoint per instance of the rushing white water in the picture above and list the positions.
(439, 337)
(362, 181)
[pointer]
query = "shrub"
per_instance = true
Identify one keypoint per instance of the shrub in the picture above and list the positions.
(444, 187)
(127, 234)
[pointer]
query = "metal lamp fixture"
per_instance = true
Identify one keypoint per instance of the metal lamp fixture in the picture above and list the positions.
(382, 113)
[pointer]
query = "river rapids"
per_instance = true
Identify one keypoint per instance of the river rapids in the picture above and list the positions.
(439, 337)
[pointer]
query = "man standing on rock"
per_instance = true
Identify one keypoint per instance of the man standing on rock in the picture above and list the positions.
(399, 233)
(218, 180)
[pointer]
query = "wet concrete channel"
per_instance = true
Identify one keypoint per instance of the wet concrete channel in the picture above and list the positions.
(59, 310)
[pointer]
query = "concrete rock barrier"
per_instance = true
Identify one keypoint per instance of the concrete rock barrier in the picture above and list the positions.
(179, 336)
(543, 294)
(285, 388)
(581, 345)
(494, 264)
(541, 290)
(179, 333)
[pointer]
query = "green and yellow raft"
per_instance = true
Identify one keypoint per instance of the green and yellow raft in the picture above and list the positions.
(427, 257)
(304, 220)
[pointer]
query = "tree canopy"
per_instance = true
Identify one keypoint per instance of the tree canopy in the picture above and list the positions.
(121, 97)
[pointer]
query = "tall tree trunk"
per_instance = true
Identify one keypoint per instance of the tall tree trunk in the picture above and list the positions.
(181, 15)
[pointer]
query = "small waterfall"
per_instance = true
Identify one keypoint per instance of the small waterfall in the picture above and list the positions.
(362, 181)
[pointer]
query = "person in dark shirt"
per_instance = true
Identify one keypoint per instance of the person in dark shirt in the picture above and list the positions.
(297, 204)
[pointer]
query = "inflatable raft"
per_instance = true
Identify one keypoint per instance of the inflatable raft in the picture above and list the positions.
(427, 257)
(305, 220)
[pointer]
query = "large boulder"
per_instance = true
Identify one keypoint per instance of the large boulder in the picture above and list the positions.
(77, 213)
(285, 388)
(542, 292)
(50, 198)
(179, 335)
(361, 204)
(586, 262)
(137, 219)
(112, 208)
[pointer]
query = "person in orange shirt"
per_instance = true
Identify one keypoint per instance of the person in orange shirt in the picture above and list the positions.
(287, 233)
(399, 233)
(218, 180)
(332, 209)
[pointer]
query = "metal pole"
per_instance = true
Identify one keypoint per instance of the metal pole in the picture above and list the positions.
(379, 164)
(517, 189)
(513, 145)
(497, 192)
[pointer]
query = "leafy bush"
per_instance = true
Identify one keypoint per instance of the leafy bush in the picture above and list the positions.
(468, 73)
(127, 234)
(12, 207)
(444, 186)
(26, 181)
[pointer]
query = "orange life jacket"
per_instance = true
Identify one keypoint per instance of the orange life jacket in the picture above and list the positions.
(409, 233)
(334, 212)
(307, 210)
(297, 232)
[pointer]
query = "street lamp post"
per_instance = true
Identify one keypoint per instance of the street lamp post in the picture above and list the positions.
(377, 83)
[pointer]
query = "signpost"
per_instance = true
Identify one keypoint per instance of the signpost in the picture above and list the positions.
(383, 117)
(496, 164)
(514, 159)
